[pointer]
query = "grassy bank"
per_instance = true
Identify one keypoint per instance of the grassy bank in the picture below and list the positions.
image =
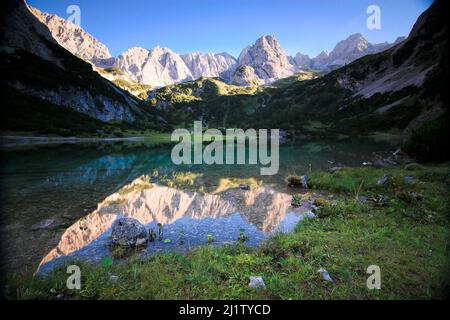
(405, 235)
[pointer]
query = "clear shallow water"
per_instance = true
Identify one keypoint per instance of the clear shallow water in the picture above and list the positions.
(46, 189)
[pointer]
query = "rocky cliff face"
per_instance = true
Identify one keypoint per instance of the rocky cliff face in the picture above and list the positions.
(75, 39)
(36, 66)
(210, 65)
(158, 67)
(268, 60)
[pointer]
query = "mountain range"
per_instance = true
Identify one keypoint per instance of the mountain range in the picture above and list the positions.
(259, 64)
(398, 90)
(59, 80)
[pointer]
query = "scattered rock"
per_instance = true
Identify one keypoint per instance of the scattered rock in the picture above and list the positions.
(304, 182)
(363, 200)
(257, 283)
(244, 186)
(385, 179)
(60, 296)
(368, 163)
(398, 153)
(325, 274)
(416, 196)
(127, 231)
(113, 279)
(386, 162)
(401, 156)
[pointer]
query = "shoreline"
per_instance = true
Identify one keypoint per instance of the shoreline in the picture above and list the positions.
(13, 141)
(403, 235)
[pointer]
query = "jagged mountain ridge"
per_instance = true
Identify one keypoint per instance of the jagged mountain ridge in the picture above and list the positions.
(259, 64)
(345, 52)
(158, 67)
(267, 59)
(399, 89)
(210, 65)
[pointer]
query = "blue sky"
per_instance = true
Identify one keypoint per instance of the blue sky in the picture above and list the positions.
(230, 25)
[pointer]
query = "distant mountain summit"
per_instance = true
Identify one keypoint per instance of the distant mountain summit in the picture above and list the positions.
(345, 52)
(259, 64)
(158, 67)
(268, 60)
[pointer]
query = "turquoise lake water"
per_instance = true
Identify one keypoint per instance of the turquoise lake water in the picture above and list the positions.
(47, 188)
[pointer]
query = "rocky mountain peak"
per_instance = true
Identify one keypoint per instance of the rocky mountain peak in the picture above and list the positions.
(160, 66)
(268, 59)
(301, 61)
(74, 39)
(349, 49)
(210, 64)
(157, 67)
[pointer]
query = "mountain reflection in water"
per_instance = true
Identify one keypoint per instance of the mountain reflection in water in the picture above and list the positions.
(190, 216)
(46, 188)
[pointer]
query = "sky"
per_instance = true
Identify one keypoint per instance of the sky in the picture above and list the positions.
(307, 26)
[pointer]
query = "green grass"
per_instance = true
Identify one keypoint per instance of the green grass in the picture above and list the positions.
(300, 76)
(139, 90)
(149, 136)
(345, 239)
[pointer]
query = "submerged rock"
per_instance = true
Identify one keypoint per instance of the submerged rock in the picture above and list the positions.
(127, 231)
(113, 279)
(257, 283)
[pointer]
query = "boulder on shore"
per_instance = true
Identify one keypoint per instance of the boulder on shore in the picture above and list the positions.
(128, 232)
